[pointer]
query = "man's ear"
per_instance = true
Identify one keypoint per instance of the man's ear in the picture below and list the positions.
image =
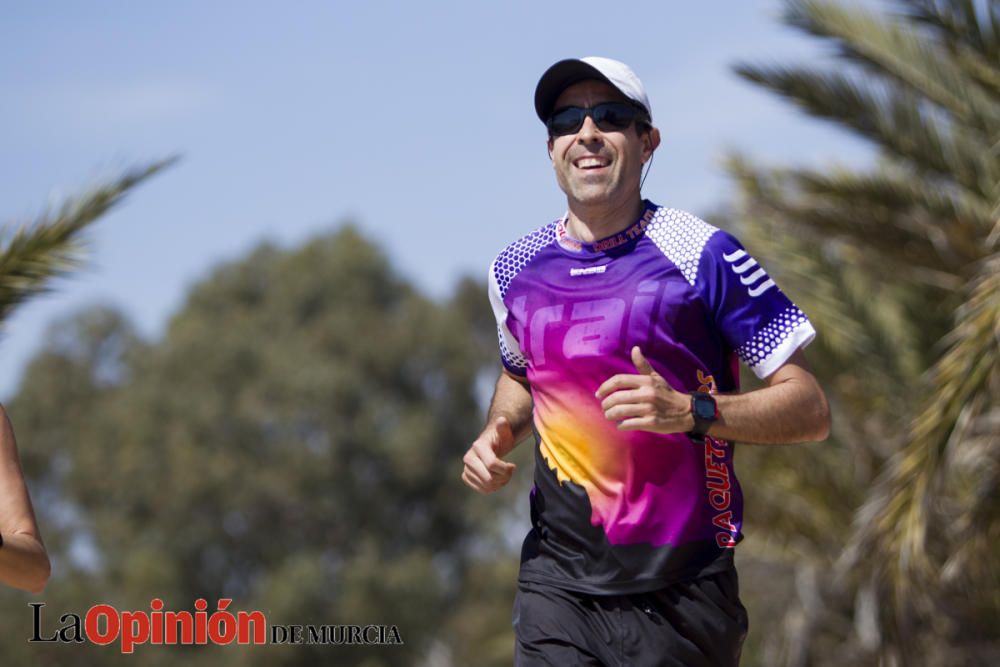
(652, 141)
(548, 146)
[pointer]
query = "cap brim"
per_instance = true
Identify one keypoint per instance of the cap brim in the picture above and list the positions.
(558, 78)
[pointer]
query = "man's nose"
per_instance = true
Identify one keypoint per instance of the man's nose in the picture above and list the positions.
(589, 132)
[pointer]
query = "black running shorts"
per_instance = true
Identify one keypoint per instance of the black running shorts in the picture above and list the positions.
(690, 624)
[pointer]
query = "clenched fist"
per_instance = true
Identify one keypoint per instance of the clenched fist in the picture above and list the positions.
(485, 470)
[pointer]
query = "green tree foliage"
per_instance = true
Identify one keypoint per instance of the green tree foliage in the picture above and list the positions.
(892, 529)
(293, 442)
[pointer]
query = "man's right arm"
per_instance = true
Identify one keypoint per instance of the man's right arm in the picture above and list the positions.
(508, 423)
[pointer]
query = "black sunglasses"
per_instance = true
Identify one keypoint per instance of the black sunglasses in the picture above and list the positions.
(608, 116)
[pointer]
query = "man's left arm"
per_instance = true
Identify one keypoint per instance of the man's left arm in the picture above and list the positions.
(792, 408)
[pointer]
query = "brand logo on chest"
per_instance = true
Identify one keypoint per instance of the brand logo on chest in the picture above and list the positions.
(588, 271)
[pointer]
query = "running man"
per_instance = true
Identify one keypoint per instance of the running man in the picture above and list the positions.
(621, 328)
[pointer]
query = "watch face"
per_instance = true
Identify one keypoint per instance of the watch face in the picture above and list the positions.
(704, 407)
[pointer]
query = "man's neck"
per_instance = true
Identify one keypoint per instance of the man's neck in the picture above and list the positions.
(589, 223)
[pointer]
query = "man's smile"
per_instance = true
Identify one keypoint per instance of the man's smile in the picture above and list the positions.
(591, 162)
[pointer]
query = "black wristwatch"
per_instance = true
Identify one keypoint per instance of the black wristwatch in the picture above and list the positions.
(705, 412)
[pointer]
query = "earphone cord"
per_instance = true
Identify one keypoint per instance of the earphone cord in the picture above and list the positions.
(649, 165)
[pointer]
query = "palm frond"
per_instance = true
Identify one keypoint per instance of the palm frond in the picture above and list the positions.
(951, 221)
(900, 509)
(51, 245)
(889, 241)
(972, 36)
(892, 117)
(893, 49)
(960, 22)
(977, 480)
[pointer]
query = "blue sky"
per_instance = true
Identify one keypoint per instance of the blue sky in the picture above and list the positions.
(414, 120)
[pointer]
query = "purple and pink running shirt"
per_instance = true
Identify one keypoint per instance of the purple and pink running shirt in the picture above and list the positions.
(618, 512)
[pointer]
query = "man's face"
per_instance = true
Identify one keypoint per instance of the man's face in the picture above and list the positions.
(595, 167)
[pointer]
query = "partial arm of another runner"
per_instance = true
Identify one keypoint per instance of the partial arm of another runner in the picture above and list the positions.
(792, 408)
(24, 563)
(508, 423)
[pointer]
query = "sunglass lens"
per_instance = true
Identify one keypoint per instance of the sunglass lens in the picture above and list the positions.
(566, 121)
(613, 116)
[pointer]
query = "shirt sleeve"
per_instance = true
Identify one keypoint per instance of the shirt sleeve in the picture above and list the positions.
(510, 348)
(753, 315)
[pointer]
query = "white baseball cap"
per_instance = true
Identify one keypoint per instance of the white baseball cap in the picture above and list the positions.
(565, 73)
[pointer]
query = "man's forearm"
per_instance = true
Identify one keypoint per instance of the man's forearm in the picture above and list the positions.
(24, 563)
(512, 400)
(794, 410)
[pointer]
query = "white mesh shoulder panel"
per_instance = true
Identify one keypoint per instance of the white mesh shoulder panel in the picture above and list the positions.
(681, 237)
(508, 264)
(516, 256)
